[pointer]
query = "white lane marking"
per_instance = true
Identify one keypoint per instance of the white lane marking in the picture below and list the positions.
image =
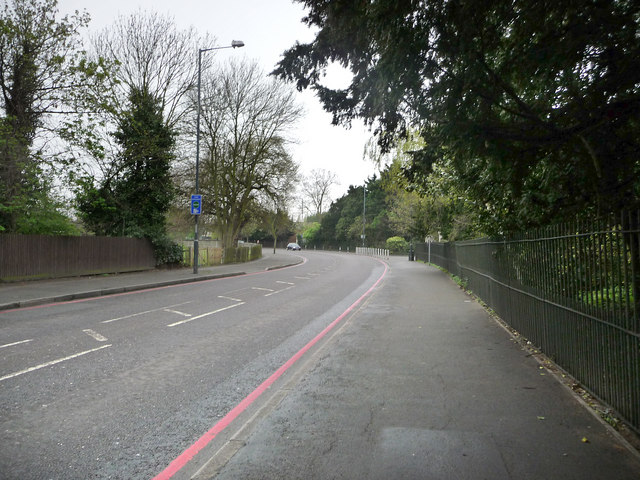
(286, 283)
(230, 298)
(278, 291)
(181, 322)
(144, 313)
(263, 289)
(95, 335)
(52, 362)
(16, 343)
(177, 312)
(303, 278)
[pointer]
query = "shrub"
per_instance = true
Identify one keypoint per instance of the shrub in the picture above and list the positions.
(166, 251)
(397, 245)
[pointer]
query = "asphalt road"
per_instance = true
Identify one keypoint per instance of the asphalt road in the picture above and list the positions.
(120, 386)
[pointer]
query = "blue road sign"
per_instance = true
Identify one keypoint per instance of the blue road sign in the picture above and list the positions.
(196, 204)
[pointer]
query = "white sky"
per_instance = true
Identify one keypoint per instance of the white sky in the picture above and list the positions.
(268, 28)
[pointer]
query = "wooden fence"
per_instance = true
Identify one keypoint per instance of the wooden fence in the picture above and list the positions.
(27, 257)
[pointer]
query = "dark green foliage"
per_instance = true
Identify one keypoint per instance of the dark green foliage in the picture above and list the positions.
(27, 203)
(342, 214)
(342, 225)
(310, 234)
(143, 186)
(166, 251)
(535, 104)
(41, 60)
(397, 245)
(134, 200)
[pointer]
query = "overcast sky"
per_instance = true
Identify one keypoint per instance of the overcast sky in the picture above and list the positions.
(267, 27)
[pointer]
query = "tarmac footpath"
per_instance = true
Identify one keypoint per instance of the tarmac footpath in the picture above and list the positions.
(40, 292)
(421, 383)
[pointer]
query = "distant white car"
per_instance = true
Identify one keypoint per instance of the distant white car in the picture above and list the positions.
(293, 246)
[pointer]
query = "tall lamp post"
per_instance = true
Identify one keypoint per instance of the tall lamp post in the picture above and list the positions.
(364, 211)
(234, 44)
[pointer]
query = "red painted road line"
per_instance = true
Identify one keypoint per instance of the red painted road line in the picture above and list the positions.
(184, 458)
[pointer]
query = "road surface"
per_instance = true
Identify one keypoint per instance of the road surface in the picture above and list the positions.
(341, 367)
(120, 386)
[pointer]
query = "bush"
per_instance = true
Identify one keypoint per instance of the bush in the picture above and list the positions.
(397, 245)
(166, 251)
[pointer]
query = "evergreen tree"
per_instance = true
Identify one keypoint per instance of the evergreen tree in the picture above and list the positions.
(342, 226)
(135, 199)
(536, 105)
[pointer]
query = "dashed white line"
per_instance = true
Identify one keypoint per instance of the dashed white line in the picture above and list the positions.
(144, 313)
(286, 283)
(177, 312)
(263, 289)
(230, 298)
(16, 343)
(95, 335)
(182, 322)
(52, 362)
(279, 291)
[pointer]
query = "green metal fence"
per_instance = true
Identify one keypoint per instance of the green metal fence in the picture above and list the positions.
(212, 256)
(573, 290)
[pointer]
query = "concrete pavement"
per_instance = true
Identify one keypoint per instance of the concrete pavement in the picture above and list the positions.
(421, 383)
(39, 292)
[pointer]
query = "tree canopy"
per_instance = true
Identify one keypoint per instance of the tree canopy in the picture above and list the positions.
(134, 199)
(316, 188)
(43, 72)
(536, 105)
(244, 159)
(352, 215)
(152, 54)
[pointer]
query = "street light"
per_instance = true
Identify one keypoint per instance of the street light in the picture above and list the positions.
(234, 44)
(364, 212)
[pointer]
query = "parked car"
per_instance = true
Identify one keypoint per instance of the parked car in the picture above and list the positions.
(293, 246)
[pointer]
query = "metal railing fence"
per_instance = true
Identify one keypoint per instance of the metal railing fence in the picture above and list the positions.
(373, 252)
(573, 290)
(211, 256)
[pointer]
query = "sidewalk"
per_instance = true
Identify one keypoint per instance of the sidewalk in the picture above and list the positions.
(39, 292)
(421, 383)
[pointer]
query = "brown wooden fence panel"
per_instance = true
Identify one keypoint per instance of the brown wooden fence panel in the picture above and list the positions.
(24, 257)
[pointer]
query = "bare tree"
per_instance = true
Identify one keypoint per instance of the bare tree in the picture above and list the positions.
(153, 55)
(317, 186)
(245, 116)
(147, 53)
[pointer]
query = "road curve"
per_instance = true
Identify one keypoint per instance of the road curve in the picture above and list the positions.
(135, 385)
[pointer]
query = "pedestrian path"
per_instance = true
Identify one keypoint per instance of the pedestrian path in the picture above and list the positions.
(421, 383)
(38, 292)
